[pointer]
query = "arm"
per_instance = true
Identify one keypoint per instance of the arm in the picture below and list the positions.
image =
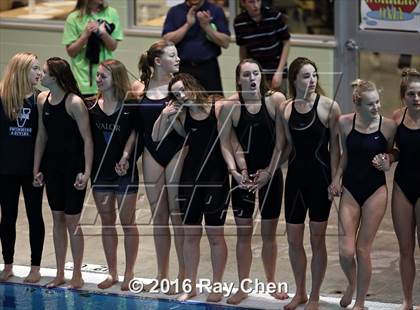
(178, 35)
(334, 137)
(335, 187)
(219, 38)
(122, 166)
(224, 125)
(384, 161)
(243, 54)
(263, 176)
(109, 42)
(278, 75)
(78, 111)
(75, 47)
(168, 120)
(40, 142)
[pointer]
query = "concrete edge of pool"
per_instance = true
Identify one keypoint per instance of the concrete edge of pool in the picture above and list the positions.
(258, 301)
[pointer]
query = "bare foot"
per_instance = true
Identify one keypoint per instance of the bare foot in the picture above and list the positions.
(34, 275)
(108, 282)
(418, 307)
(237, 297)
(57, 281)
(186, 296)
(76, 282)
(296, 301)
(172, 290)
(358, 307)
(125, 285)
(312, 305)
(152, 286)
(347, 297)
(214, 297)
(280, 295)
(6, 273)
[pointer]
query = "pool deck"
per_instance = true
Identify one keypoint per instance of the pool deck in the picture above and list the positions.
(254, 301)
(385, 288)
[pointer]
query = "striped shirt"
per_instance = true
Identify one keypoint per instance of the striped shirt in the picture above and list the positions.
(263, 40)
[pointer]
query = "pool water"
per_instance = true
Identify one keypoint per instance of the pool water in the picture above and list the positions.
(21, 296)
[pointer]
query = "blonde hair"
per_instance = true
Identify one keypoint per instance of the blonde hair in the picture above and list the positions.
(83, 8)
(359, 87)
(120, 80)
(408, 75)
(15, 84)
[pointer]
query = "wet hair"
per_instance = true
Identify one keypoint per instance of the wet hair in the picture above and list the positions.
(360, 87)
(83, 7)
(120, 81)
(15, 84)
(59, 68)
(191, 85)
(264, 89)
(294, 70)
(408, 76)
(147, 59)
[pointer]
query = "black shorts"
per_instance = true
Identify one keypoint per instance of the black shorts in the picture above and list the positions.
(303, 192)
(59, 184)
(209, 199)
(270, 196)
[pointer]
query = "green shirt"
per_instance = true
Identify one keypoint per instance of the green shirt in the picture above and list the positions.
(73, 28)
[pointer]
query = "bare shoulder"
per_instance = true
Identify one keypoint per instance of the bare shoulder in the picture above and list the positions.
(42, 96)
(329, 104)
(138, 86)
(229, 103)
(276, 97)
(75, 104)
(397, 115)
(345, 121)
(389, 123)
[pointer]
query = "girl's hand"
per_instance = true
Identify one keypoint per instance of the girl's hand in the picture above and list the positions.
(260, 179)
(38, 180)
(382, 162)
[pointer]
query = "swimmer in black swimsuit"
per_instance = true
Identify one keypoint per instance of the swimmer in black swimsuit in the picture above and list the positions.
(204, 185)
(18, 127)
(364, 134)
(162, 161)
(311, 130)
(64, 143)
(115, 179)
(252, 140)
(406, 191)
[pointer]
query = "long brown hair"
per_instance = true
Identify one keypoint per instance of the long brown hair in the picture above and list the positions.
(120, 80)
(147, 60)
(191, 85)
(83, 7)
(264, 89)
(408, 76)
(15, 84)
(60, 69)
(294, 69)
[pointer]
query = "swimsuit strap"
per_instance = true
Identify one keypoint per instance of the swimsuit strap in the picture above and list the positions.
(403, 118)
(380, 123)
(354, 121)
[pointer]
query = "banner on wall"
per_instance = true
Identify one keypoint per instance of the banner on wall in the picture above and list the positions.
(398, 15)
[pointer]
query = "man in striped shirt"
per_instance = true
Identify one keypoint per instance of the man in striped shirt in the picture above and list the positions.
(262, 34)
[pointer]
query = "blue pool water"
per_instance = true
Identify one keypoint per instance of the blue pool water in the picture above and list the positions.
(20, 296)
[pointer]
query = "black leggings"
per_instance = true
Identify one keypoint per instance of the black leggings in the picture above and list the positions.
(9, 200)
